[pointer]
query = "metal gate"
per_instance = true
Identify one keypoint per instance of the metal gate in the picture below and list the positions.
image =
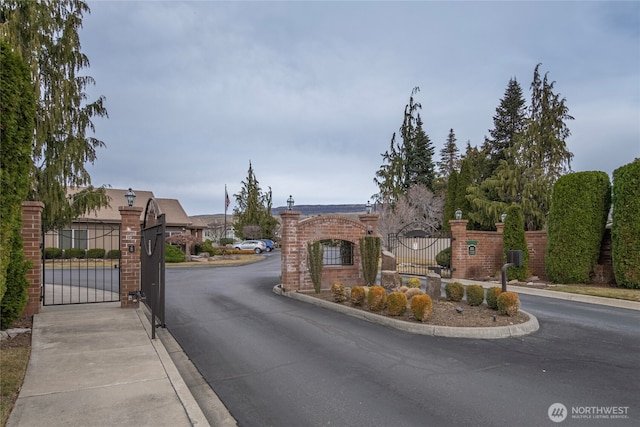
(417, 247)
(152, 263)
(81, 264)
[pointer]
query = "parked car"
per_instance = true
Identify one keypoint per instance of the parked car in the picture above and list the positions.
(270, 244)
(257, 246)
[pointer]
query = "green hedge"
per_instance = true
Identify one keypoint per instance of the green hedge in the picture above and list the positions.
(75, 253)
(513, 238)
(113, 254)
(625, 230)
(52, 253)
(577, 219)
(443, 258)
(95, 253)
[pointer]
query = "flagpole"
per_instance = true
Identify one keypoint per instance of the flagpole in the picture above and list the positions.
(226, 205)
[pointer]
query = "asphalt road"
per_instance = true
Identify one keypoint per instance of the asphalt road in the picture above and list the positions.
(274, 361)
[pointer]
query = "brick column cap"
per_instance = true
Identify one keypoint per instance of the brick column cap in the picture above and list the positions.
(130, 209)
(33, 204)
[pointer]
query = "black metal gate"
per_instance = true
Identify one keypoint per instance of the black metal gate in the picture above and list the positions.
(81, 264)
(419, 249)
(152, 263)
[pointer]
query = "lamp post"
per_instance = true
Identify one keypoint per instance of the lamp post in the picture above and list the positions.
(290, 203)
(130, 196)
(503, 216)
(458, 214)
(368, 206)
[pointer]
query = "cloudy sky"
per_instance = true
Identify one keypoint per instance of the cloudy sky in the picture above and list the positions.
(311, 92)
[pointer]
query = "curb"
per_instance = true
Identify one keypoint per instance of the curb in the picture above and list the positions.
(494, 332)
(193, 411)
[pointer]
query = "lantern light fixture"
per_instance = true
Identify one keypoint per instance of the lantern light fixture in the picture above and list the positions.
(290, 203)
(131, 197)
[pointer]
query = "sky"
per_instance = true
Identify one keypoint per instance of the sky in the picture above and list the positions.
(310, 93)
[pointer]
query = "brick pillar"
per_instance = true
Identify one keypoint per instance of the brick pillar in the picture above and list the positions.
(129, 261)
(371, 222)
(290, 251)
(32, 241)
(459, 248)
(500, 227)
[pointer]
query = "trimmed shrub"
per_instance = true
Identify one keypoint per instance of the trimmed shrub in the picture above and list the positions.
(625, 230)
(377, 298)
(172, 254)
(224, 241)
(339, 292)
(95, 253)
(52, 253)
(454, 291)
(314, 261)
(413, 292)
(443, 257)
(403, 289)
(577, 219)
(513, 238)
(475, 294)
(74, 253)
(396, 303)
(414, 282)
(207, 246)
(492, 297)
(113, 254)
(358, 295)
(421, 307)
(508, 303)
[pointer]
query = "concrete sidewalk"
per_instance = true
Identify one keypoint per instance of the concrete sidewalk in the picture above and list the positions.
(96, 365)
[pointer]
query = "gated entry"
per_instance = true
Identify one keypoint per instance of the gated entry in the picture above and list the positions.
(152, 263)
(81, 264)
(416, 248)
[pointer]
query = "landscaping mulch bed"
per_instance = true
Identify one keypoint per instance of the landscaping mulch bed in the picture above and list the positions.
(445, 313)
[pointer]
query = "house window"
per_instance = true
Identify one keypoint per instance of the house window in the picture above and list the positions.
(72, 238)
(337, 252)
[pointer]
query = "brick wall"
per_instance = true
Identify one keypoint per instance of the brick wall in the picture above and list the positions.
(32, 238)
(295, 235)
(488, 259)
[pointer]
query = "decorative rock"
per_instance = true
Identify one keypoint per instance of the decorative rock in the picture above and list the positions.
(434, 286)
(388, 261)
(390, 279)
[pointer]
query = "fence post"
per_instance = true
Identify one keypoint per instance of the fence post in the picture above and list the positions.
(129, 253)
(32, 241)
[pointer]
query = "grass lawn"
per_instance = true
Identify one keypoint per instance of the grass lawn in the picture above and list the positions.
(14, 362)
(598, 291)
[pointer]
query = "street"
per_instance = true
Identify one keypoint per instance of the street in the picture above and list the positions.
(274, 361)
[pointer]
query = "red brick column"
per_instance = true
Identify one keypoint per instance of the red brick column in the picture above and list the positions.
(459, 248)
(32, 239)
(129, 260)
(290, 253)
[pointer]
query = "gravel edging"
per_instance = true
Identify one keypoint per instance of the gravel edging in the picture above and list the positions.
(493, 332)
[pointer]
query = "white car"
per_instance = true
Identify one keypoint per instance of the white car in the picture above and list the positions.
(257, 246)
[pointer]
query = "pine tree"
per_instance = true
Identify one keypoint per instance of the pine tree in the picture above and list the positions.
(450, 200)
(509, 121)
(252, 211)
(45, 35)
(449, 156)
(420, 168)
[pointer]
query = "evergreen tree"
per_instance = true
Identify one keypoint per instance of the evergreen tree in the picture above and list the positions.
(389, 178)
(450, 200)
(17, 120)
(449, 156)
(513, 238)
(45, 35)
(509, 121)
(253, 209)
(420, 168)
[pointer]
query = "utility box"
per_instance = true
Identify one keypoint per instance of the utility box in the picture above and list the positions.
(515, 257)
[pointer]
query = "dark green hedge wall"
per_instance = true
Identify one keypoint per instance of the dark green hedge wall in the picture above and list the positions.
(625, 230)
(17, 112)
(577, 219)
(513, 238)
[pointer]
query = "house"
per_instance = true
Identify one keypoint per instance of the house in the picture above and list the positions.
(101, 229)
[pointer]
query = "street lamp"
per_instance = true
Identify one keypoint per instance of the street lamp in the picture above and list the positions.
(458, 214)
(503, 216)
(368, 206)
(290, 203)
(130, 196)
